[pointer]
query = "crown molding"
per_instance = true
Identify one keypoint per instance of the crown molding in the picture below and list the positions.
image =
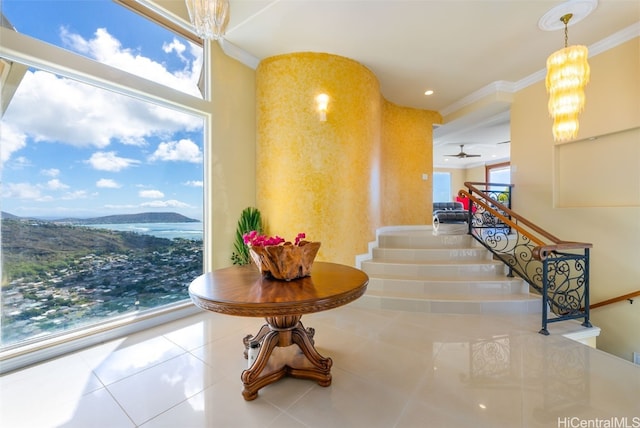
(596, 48)
(490, 89)
(622, 36)
(239, 54)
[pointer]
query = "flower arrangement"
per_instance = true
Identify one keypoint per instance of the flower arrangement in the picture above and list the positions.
(253, 239)
(281, 259)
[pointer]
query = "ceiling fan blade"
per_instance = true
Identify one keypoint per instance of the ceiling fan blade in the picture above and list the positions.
(462, 154)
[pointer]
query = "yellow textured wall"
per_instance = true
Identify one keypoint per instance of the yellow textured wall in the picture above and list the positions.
(339, 180)
(318, 177)
(407, 154)
(612, 108)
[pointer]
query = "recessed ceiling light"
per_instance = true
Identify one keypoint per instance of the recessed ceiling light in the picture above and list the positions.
(428, 92)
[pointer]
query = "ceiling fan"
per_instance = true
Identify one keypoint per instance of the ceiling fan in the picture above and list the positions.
(462, 154)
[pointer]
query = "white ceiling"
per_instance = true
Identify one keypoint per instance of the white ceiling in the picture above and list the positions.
(456, 48)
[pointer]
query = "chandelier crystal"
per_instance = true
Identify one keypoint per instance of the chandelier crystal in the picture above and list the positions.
(209, 17)
(567, 75)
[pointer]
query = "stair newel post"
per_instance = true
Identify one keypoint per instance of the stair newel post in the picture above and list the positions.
(586, 322)
(545, 296)
(470, 213)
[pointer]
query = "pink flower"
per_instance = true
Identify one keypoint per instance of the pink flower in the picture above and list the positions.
(254, 239)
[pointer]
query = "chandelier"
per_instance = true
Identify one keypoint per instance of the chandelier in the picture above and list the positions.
(209, 17)
(567, 75)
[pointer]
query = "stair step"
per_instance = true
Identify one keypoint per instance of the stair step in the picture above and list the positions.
(452, 286)
(437, 303)
(417, 270)
(424, 239)
(432, 254)
(463, 270)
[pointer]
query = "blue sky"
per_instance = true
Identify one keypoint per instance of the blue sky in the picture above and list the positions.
(70, 149)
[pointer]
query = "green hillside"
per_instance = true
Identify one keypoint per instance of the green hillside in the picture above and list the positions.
(31, 245)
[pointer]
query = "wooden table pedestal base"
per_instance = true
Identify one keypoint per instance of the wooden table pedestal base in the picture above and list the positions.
(302, 361)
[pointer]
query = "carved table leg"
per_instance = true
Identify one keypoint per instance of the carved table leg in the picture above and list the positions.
(310, 332)
(258, 337)
(304, 362)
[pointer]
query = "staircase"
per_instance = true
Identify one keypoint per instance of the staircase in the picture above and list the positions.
(411, 269)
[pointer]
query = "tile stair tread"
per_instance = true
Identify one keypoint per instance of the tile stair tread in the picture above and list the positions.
(451, 262)
(441, 286)
(480, 253)
(434, 249)
(435, 297)
(453, 279)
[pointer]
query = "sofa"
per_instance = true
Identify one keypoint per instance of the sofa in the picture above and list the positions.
(449, 212)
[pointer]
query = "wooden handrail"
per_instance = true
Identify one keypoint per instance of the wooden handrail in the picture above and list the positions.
(470, 186)
(506, 220)
(542, 249)
(615, 300)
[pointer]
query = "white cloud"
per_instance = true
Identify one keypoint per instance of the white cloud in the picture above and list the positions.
(78, 194)
(165, 204)
(21, 162)
(108, 50)
(107, 183)
(194, 183)
(11, 140)
(109, 161)
(52, 172)
(150, 194)
(183, 150)
(61, 102)
(120, 207)
(177, 47)
(83, 115)
(21, 191)
(56, 184)
(54, 110)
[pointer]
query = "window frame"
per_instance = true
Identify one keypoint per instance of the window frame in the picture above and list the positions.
(489, 167)
(38, 54)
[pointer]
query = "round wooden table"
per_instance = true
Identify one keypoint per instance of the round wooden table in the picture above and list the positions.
(243, 291)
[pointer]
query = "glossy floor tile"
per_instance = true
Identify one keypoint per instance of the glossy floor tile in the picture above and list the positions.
(390, 369)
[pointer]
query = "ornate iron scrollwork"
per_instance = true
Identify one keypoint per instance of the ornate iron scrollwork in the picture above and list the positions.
(561, 278)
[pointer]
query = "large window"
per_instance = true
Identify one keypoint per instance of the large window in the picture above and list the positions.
(102, 177)
(111, 34)
(441, 186)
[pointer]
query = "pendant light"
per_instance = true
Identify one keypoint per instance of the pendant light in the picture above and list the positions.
(567, 69)
(209, 17)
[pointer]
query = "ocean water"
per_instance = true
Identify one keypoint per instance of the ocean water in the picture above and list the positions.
(192, 231)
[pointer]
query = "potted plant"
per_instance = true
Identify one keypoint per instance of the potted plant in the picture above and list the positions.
(250, 219)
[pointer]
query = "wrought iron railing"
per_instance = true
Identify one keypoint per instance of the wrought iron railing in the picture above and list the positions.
(558, 270)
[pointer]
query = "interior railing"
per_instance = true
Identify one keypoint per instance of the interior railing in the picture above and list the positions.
(628, 297)
(558, 270)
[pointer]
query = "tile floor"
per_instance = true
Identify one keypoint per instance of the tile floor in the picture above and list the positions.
(390, 369)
